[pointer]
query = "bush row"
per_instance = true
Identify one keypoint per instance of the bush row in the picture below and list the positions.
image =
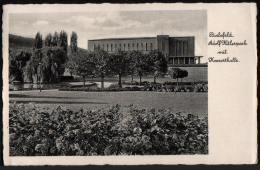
(147, 87)
(108, 131)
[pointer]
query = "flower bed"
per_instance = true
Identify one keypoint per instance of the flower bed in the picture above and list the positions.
(109, 131)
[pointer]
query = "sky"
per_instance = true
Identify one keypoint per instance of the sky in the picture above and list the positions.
(115, 24)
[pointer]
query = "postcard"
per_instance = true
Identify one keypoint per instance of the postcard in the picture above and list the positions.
(129, 84)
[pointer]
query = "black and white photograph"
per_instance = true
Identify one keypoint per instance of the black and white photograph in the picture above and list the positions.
(129, 84)
(100, 83)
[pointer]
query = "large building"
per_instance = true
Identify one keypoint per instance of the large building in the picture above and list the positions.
(178, 50)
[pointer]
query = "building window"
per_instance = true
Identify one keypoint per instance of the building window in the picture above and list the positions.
(94, 46)
(115, 46)
(183, 50)
(107, 47)
(178, 49)
(128, 46)
(142, 46)
(137, 46)
(124, 47)
(145, 46)
(176, 60)
(192, 60)
(151, 46)
(170, 60)
(111, 47)
(187, 60)
(163, 46)
(181, 60)
(103, 46)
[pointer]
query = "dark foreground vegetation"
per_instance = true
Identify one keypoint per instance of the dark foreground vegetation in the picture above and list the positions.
(109, 131)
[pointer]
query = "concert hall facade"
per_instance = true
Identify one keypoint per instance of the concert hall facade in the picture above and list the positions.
(177, 50)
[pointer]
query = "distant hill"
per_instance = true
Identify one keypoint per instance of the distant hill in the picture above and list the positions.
(17, 42)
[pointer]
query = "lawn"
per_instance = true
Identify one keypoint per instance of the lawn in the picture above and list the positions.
(195, 103)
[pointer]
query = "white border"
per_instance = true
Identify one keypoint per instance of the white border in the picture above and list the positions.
(232, 114)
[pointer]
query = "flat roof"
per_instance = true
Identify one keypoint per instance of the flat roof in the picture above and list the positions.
(132, 38)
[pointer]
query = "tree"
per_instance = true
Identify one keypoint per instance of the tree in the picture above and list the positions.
(84, 66)
(38, 41)
(17, 64)
(102, 65)
(158, 64)
(184, 73)
(119, 65)
(142, 65)
(50, 63)
(63, 40)
(74, 42)
(55, 39)
(48, 40)
(35, 61)
(177, 73)
(132, 58)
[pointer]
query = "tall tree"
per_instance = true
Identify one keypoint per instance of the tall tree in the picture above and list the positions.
(48, 40)
(157, 63)
(102, 67)
(35, 62)
(74, 42)
(84, 66)
(119, 65)
(63, 40)
(132, 58)
(142, 66)
(38, 41)
(55, 39)
(17, 64)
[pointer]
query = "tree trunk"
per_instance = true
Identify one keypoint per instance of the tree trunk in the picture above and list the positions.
(140, 80)
(119, 80)
(177, 83)
(102, 82)
(132, 78)
(84, 81)
(154, 79)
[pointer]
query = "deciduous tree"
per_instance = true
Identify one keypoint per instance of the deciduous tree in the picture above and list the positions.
(119, 65)
(102, 64)
(157, 63)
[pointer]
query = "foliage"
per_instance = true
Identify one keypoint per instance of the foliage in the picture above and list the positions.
(48, 40)
(74, 42)
(177, 73)
(63, 40)
(83, 66)
(38, 43)
(44, 63)
(108, 131)
(158, 63)
(119, 65)
(55, 39)
(142, 65)
(17, 63)
(102, 65)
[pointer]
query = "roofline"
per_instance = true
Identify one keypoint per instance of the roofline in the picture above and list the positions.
(131, 38)
(122, 38)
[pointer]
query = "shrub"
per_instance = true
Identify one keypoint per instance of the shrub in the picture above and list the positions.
(108, 131)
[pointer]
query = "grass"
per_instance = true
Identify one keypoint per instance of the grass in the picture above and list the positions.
(195, 103)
